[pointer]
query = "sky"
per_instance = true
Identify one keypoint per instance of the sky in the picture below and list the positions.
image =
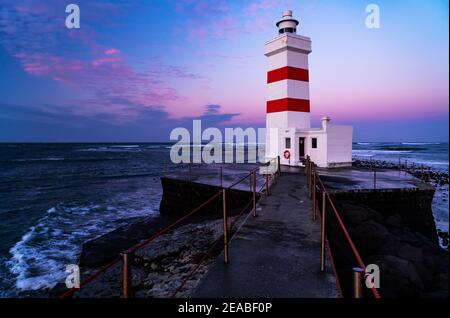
(135, 70)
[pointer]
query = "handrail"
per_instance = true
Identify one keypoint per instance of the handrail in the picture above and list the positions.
(141, 244)
(346, 233)
(208, 253)
(171, 226)
(90, 278)
(242, 179)
(134, 248)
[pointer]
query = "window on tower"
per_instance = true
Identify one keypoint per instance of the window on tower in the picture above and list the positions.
(314, 143)
(287, 30)
(288, 143)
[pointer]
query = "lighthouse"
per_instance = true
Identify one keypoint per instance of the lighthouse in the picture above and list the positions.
(288, 107)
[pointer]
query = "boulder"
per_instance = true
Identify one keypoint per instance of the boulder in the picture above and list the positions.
(398, 277)
(394, 220)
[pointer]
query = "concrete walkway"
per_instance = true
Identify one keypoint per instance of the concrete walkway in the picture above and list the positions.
(276, 254)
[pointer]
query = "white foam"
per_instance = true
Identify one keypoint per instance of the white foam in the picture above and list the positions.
(38, 260)
(124, 146)
(40, 159)
(421, 143)
(381, 151)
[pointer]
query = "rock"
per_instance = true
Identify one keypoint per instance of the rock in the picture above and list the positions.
(160, 266)
(394, 220)
(354, 215)
(410, 253)
(398, 277)
(411, 264)
(370, 236)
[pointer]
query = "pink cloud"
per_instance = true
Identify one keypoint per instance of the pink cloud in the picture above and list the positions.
(112, 51)
(106, 60)
(100, 79)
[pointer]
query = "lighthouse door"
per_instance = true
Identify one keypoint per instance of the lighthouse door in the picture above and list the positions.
(301, 147)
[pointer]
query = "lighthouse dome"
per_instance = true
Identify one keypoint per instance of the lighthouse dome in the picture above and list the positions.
(287, 24)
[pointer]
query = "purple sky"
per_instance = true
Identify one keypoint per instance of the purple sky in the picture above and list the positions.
(137, 69)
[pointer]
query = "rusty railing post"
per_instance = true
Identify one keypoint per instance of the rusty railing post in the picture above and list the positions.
(322, 250)
(357, 282)
(126, 274)
(279, 166)
(225, 226)
(306, 170)
(221, 177)
(274, 174)
(374, 179)
(314, 195)
(311, 165)
(308, 166)
(164, 173)
(254, 192)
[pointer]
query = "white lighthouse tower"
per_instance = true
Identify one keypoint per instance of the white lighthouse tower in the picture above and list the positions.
(288, 123)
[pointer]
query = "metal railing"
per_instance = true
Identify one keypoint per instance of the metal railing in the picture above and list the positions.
(420, 171)
(313, 180)
(127, 256)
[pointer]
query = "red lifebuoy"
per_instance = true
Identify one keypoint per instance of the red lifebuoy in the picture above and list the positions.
(287, 154)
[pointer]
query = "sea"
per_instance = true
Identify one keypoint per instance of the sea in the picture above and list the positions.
(55, 197)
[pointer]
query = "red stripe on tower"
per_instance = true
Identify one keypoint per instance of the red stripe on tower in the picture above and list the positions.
(288, 72)
(288, 104)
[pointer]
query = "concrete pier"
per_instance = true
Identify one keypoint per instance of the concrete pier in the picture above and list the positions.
(277, 253)
(391, 192)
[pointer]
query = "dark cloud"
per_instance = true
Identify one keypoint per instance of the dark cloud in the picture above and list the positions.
(43, 124)
(212, 109)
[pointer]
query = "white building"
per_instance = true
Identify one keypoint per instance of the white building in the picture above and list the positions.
(288, 123)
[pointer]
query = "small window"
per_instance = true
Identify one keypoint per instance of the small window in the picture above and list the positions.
(288, 143)
(313, 142)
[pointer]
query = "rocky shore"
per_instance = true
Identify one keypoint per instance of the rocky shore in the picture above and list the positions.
(160, 267)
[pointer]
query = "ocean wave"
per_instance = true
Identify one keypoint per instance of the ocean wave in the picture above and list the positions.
(39, 258)
(157, 147)
(375, 151)
(400, 148)
(421, 143)
(38, 159)
(124, 146)
(94, 149)
(112, 149)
